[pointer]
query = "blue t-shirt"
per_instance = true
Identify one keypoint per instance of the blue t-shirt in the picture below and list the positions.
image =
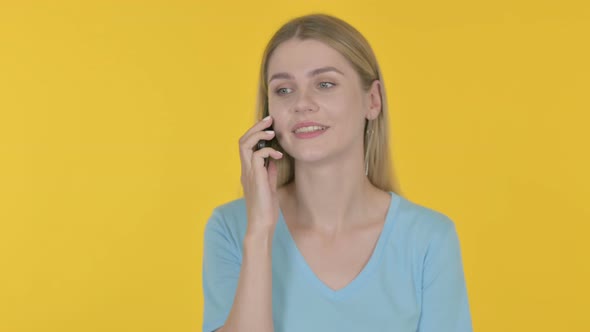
(413, 281)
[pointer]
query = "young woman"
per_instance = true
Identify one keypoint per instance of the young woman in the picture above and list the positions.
(322, 239)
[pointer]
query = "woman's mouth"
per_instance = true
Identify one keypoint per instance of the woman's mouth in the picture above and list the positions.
(309, 131)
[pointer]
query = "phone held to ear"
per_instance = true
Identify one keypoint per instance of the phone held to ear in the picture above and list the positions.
(264, 144)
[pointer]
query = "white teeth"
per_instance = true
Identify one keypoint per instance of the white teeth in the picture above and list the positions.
(309, 129)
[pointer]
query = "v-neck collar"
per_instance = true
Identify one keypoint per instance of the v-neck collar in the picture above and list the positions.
(367, 270)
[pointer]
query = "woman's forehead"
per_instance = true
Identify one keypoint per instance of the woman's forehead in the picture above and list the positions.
(300, 57)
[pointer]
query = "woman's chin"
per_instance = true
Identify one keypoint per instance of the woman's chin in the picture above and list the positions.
(309, 158)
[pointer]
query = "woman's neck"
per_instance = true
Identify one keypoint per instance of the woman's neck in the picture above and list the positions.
(330, 197)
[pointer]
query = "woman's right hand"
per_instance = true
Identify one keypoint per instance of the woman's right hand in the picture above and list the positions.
(259, 184)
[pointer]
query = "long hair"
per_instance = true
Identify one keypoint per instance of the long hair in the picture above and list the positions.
(349, 42)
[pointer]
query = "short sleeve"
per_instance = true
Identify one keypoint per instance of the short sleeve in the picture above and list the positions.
(445, 305)
(221, 270)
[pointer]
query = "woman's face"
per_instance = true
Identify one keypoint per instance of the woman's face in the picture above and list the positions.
(311, 82)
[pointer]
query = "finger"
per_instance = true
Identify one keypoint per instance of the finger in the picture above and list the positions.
(248, 147)
(272, 175)
(258, 126)
(258, 156)
(251, 142)
(260, 173)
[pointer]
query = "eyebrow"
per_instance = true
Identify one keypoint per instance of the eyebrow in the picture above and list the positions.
(310, 74)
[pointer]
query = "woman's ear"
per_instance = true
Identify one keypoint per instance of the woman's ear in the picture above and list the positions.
(374, 95)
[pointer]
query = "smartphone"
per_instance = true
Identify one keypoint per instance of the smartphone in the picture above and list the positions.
(264, 144)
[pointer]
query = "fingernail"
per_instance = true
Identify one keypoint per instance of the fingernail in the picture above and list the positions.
(266, 119)
(280, 153)
(269, 131)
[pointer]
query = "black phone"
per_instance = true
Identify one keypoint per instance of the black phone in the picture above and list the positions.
(264, 144)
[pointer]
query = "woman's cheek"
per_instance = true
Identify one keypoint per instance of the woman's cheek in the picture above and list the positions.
(274, 107)
(280, 126)
(278, 111)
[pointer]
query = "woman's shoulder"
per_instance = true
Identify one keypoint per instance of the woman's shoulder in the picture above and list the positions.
(421, 222)
(232, 208)
(229, 216)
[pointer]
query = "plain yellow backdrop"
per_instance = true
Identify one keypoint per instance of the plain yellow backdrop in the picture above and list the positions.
(119, 123)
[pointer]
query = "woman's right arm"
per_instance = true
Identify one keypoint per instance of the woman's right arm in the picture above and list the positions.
(252, 305)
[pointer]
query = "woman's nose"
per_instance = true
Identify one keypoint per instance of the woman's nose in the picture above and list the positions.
(304, 102)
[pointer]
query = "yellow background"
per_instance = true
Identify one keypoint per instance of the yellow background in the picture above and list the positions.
(119, 123)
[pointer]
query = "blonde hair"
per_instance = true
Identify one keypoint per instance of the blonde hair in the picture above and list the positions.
(354, 47)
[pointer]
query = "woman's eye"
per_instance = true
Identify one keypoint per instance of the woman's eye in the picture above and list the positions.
(283, 91)
(326, 84)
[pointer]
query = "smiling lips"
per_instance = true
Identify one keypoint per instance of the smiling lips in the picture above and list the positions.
(309, 129)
